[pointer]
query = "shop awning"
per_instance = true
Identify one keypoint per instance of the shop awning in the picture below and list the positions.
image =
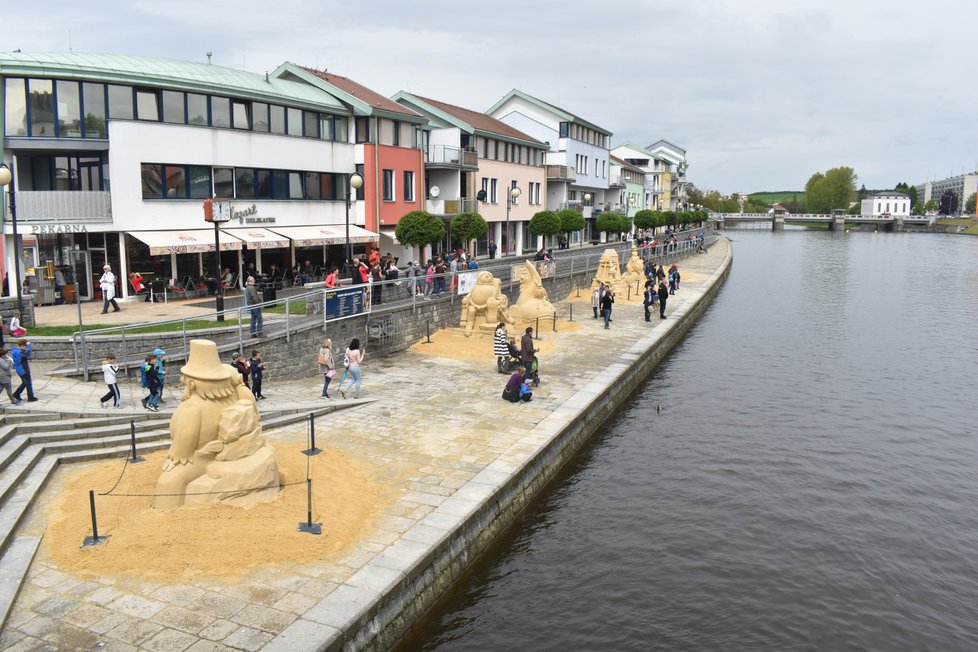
(257, 238)
(389, 232)
(191, 241)
(332, 234)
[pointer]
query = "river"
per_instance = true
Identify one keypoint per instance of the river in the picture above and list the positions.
(809, 484)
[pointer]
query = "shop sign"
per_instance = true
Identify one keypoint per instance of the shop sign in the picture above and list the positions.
(58, 228)
(259, 220)
(250, 216)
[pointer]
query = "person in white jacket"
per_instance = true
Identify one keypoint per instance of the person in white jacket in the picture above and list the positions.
(109, 372)
(107, 283)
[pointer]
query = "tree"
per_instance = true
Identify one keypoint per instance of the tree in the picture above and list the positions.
(468, 226)
(645, 219)
(969, 204)
(931, 205)
(571, 221)
(914, 200)
(545, 223)
(419, 228)
(613, 223)
(836, 188)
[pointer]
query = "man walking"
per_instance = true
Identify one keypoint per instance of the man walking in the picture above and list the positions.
(107, 283)
(253, 300)
(649, 300)
(22, 356)
(663, 297)
(607, 300)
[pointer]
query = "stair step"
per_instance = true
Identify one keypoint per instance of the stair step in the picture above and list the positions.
(19, 501)
(17, 469)
(14, 564)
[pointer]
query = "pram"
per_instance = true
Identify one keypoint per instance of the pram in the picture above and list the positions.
(532, 372)
(512, 363)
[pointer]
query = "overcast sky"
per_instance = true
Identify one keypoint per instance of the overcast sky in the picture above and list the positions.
(761, 93)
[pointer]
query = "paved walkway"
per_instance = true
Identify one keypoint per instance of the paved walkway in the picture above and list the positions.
(437, 423)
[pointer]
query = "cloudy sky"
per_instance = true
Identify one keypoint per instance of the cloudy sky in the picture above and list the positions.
(760, 92)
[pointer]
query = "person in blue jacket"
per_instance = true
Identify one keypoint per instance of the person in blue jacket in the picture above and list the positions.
(22, 355)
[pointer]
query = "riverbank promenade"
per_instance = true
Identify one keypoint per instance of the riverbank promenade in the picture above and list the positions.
(402, 468)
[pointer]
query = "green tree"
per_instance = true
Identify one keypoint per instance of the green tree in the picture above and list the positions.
(836, 188)
(914, 201)
(545, 223)
(645, 219)
(571, 221)
(969, 204)
(469, 226)
(612, 223)
(419, 228)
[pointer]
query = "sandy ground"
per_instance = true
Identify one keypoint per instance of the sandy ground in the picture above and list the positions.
(213, 540)
(453, 343)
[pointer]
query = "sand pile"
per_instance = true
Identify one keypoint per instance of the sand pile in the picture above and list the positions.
(212, 540)
(452, 342)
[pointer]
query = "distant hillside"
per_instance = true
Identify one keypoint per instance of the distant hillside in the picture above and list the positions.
(780, 196)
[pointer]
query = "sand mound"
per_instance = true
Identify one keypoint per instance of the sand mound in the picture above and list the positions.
(452, 342)
(212, 540)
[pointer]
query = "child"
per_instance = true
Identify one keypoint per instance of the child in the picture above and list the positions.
(7, 374)
(160, 362)
(109, 371)
(16, 329)
(238, 362)
(257, 371)
(151, 381)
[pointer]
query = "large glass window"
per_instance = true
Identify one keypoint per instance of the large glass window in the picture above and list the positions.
(224, 182)
(240, 115)
(93, 96)
(15, 118)
(147, 105)
(259, 116)
(220, 112)
(362, 126)
(196, 109)
(176, 181)
(408, 186)
(173, 110)
(312, 186)
(328, 185)
(120, 102)
(294, 122)
(69, 109)
(200, 182)
(388, 185)
(325, 127)
(310, 124)
(295, 185)
(280, 184)
(278, 119)
(263, 184)
(41, 101)
(152, 181)
(244, 183)
(341, 132)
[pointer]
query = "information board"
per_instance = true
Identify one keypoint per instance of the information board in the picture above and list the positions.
(466, 280)
(340, 303)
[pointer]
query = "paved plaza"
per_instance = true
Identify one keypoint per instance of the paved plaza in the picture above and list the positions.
(427, 424)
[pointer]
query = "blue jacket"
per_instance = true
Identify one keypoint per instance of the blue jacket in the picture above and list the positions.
(19, 357)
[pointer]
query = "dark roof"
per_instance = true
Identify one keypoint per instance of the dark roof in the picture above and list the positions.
(361, 92)
(480, 121)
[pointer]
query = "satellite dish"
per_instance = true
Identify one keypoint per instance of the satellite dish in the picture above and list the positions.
(434, 192)
(481, 195)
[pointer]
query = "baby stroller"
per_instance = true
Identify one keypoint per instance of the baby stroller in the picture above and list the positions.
(532, 372)
(512, 363)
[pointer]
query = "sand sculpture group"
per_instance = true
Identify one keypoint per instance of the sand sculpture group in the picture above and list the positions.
(634, 270)
(609, 273)
(486, 305)
(217, 452)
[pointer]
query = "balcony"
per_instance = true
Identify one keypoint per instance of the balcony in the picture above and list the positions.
(617, 182)
(447, 157)
(452, 206)
(561, 173)
(54, 206)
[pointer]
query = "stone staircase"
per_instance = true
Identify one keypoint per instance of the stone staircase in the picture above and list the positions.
(33, 444)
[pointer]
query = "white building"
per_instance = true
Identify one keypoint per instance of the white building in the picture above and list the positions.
(886, 204)
(950, 193)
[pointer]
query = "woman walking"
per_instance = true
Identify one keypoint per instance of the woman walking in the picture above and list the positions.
(353, 359)
(500, 346)
(327, 367)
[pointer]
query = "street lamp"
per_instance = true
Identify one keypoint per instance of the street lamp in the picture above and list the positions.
(6, 179)
(587, 202)
(514, 193)
(356, 182)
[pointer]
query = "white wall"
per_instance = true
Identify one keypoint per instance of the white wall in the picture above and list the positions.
(449, 136)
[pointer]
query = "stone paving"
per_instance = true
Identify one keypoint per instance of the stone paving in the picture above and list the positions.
(434, 424)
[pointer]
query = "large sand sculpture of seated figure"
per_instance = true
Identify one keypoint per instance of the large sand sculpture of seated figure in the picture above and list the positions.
(485, 305)
(216, 444)
(634, 270)
(533, 301)
(609, 273)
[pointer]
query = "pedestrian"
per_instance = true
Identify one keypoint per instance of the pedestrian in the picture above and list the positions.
(15, 328)
(107, 283)
(672, 279)
(257, 373)
(242, 367)
(527, 350)
(352, 360)
(253, 300)
(109, 371)
(152, 383)
(160, 361)
(376, 278)
(7, 374)
(327, 366)
(648, 300)
(500, 346)
(660, 273)
(492, 250)
(663, 296)
(331, 278)
(22, 365)
(440, 270)
(429, 279)
(596, 299)
(59, 286)
(607, 301)
(514, 386)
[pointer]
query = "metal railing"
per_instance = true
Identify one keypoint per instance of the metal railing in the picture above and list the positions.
(58, 206)
(452, 206)
(562, 172)
(451, 156)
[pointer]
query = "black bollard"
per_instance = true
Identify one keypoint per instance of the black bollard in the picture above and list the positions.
(555, 321)
(95, 539)
(427, 330)
(536, 333)
(308, 526)
(571, 318)
(133, 459)
(312, 450)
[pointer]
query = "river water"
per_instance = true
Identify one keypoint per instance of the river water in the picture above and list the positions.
(810, 483)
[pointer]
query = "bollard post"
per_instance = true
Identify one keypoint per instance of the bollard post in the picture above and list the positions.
(95, 539)
(427, 331)
(133, 459)
(629, 292)
(536, 332)
(571, 318)
(312, 450)
(555, 321)
(308, 527)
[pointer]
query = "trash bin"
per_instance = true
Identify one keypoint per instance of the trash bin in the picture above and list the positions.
(268, 291)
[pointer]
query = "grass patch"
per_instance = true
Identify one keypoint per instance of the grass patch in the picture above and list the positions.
(193, 324)
(297, 307)
(973, 230)
(957, 221)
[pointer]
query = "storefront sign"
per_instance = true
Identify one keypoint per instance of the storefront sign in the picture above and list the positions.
(341, 303)
(259, 220)
(58, 228)
(241, 215)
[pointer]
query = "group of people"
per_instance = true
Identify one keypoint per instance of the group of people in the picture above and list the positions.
(17, 361)
(252, 371)
(504, 348)
(352, 367)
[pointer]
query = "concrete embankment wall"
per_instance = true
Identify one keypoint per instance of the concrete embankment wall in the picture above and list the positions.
(410, 577)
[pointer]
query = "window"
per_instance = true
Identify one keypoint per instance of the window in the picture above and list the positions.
(175, 180)
(263, 184)
(239, 115)
(485, 187)
(359, 170)
(220, 112)
(332, 186)
(388, 185)
(15, 120)
(341, 133)
(408, 186)
(147, 105)
(495, 154)
(278, 119)
(312, 186)
(485, 148)
(152, 181)
(295, 185)
(362, 127)
(93, 101)
(259, 116)
(196, 109)
(120, 102)
(887, 207)
(325, 127)
(41, 104)
(293, 122)
(310, 124)
(69, 109)
(244, 183)
(396, 136)
(493, 194)
(173, 108)
(224, 183)
(517, 199)
(200, 181)
(564, 129)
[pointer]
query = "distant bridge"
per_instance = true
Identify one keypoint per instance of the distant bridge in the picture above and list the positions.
(835, 222)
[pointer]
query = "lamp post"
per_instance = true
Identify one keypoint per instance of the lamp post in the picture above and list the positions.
(628, 209)
(511, 197)
(356, 182)
(587, 202)
(6, 180)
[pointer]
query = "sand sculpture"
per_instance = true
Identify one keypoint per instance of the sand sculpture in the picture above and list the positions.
(634, 270)
(533, 301)
(485, 305)
(217, 445)
(609, 273)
